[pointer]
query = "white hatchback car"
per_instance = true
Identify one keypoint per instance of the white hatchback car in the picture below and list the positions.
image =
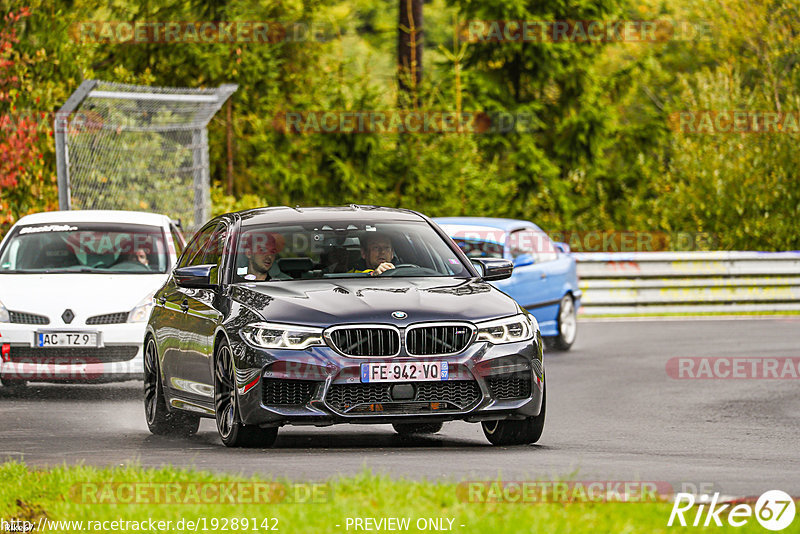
(76, 289)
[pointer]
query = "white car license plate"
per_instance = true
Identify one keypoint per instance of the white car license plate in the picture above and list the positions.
(66, 339)
(404, 371)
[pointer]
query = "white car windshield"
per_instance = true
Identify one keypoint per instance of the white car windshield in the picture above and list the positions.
(86, 248)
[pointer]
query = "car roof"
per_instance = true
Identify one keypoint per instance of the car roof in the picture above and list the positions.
(285, 214)
(101, 216)
(507, 225)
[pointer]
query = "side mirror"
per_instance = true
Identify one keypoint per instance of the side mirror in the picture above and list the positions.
(523, 260)
(493, 268)
(196, 276)
(563, 248)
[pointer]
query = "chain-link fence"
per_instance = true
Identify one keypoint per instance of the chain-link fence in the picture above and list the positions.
(138, 148)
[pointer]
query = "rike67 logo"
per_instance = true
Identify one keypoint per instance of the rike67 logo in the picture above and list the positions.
(774, 510)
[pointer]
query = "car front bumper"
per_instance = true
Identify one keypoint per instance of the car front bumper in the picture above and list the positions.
(321, 387)
(117, 356)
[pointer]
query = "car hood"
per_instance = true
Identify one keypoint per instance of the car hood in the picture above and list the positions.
(85, 294)
(364, 300)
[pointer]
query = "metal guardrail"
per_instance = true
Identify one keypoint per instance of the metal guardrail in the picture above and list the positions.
(688, 282)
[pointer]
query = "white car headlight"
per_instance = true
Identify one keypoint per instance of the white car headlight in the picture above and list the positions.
(282, 336)
(519, 327)
(4, 315)
(141, 312)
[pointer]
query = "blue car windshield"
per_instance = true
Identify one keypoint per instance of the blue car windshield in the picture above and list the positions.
(474, 248)
(344, 250)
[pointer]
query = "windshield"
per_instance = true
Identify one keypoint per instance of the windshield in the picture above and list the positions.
(474, 248)
(102, 248)
(477, 241)
(342, 250)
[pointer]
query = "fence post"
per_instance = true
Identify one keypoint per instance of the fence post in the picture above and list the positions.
(202, 176)
(60, 127)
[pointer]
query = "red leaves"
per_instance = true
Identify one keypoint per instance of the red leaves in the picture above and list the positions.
(17, 149)
(19, 136)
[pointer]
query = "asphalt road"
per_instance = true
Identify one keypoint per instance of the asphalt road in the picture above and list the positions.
(613, 414)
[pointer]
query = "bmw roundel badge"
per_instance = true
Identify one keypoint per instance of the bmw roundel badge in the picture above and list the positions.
(399, 315)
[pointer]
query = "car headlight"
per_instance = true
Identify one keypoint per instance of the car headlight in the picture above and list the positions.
(141, 312)
(282, 336)
(519, 327)
(4, 316)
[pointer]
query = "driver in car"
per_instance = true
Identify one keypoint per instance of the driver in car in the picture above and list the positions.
(377, 253)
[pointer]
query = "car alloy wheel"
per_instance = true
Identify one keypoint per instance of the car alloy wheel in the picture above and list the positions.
(232, 431)
(160, 420)
(567, 324)
(516, 431)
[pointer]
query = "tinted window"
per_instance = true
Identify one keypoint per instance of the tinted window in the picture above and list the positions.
(474, 248)
(212, 254)
(177, 239)
(86, 247)
(343, 250)
(193, 254)
(533, 242)
(477, 241)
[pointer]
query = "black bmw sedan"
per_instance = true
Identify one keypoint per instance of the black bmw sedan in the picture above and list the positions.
(317, 316)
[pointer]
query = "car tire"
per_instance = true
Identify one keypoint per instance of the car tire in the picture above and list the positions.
(160, 420)
(408, 429)
(11, 383)
(232, 431)
(567, 324)
(516, 432)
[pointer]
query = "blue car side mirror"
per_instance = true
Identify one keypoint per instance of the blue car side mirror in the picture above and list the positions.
(524, 259)
(563, 248)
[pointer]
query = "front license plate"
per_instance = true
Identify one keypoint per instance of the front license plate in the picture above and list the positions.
(404, 371)
(66, 339)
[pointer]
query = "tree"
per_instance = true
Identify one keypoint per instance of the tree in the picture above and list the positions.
(409, 51)
(22, 129)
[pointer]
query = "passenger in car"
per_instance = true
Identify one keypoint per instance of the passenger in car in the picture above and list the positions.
(337, 260)
(260, 250)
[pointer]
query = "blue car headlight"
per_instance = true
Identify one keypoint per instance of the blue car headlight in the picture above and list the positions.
(282, 336)
(520, 327)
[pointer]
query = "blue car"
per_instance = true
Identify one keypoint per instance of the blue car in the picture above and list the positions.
(544, 281)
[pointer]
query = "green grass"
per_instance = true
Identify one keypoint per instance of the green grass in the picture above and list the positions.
(30, 494)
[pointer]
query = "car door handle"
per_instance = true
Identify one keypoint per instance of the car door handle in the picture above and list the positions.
(185, 306)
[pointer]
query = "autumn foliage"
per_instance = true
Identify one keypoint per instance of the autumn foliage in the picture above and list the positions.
(21, 130)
